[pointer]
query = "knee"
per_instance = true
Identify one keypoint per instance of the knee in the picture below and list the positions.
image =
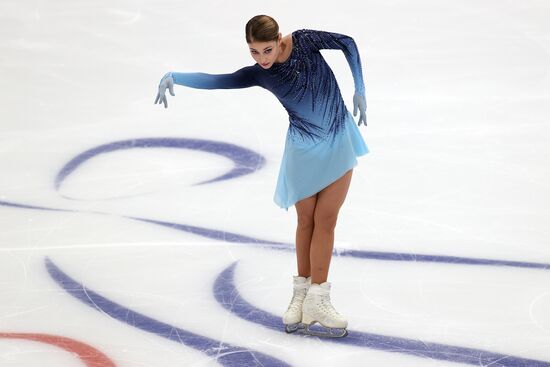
(305, 221)
(325, 221)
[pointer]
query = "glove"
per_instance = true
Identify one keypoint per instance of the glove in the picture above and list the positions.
(166, 82)
(360, 103)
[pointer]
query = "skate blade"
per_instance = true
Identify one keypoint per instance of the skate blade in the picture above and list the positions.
(291, 328)
(322, 331)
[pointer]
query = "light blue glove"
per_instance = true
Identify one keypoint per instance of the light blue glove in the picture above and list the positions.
(359, 102)
(166, 82)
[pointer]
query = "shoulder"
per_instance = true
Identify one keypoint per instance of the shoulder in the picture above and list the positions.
(297, 33)
(249, 72)
(302, 36)
(307, 34)
(256, 73)
(304, 32)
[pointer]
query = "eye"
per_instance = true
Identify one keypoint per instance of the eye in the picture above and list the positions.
(268, 51)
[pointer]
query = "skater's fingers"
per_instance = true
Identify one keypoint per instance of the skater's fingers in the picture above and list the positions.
(157, 99)
(171, 88)
(165, 100)
(355, 109)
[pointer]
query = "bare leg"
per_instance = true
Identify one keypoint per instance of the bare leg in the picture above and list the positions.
(329, 202)
(304, 231)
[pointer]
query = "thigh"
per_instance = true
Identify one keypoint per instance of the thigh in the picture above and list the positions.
(331, 198)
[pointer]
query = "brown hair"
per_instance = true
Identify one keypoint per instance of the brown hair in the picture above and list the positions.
(261, 28)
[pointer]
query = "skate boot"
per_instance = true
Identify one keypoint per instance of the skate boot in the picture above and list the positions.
(293, 315)
(317, 308)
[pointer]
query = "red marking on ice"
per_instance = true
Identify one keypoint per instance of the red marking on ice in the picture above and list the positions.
(88, 354)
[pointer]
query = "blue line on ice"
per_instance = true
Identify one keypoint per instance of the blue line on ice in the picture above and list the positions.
(224, 353)
(246, 161)
(227, 294)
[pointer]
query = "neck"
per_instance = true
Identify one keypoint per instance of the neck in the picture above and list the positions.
(283, 54)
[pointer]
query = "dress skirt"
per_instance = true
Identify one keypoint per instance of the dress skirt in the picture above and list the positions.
(306, 169)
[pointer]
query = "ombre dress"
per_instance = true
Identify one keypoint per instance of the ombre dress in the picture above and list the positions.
(323, 140)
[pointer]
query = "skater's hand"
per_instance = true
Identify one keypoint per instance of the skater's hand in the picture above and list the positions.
(166, 82)
(360, 103)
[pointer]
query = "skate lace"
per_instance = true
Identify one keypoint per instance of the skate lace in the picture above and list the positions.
(298, 297)
(325, 305)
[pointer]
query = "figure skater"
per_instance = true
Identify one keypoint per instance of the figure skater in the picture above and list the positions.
(322, 143)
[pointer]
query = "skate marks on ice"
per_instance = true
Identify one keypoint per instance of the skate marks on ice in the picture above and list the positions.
(228, 296)
(88, 355)
(226, 293)
(226, 354)
(245, 161)
(337, 252)
(232, 237)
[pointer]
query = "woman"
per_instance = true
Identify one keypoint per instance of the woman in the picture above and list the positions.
(321, 147)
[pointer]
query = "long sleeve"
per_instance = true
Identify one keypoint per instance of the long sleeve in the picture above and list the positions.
(242, 78)
(328, 40)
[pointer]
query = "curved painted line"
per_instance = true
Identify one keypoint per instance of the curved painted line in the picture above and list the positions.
(225, 354)
(24, 206)
(214, 234)
(228, 297)
(358, 254)
(89, 355)
(283, 246)
(246, 161)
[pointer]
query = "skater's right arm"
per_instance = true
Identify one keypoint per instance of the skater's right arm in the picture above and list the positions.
(242, 78)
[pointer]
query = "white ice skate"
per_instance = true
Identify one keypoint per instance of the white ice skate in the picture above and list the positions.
(293, 315)
(317, 308)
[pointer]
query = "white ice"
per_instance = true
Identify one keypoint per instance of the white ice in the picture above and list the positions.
(458, 130)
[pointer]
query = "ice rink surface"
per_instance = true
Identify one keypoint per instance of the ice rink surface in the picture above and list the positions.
(133, 235)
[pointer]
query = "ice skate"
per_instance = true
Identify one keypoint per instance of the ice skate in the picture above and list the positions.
(318, 309)
(293, 315)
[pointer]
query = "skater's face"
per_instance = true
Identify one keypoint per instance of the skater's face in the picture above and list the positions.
(265, 53)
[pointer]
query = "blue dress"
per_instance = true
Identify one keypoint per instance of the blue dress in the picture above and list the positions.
(322, 140)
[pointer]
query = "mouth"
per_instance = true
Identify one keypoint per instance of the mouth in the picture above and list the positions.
(265, 64)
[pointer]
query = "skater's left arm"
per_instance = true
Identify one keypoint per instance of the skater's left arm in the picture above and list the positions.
(329, 40)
